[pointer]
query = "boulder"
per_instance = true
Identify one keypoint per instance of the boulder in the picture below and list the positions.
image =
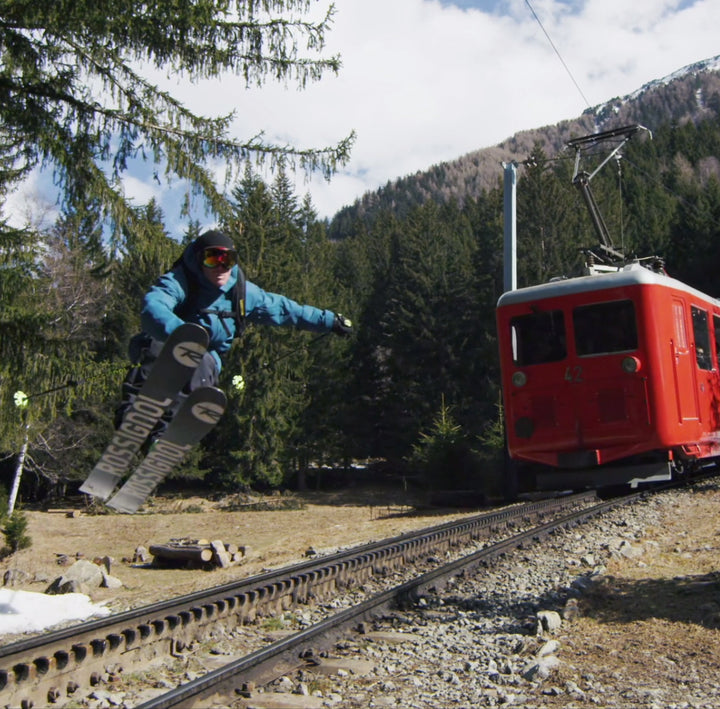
(82, 576)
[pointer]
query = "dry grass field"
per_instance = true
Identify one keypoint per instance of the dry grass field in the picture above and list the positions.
(272, 535)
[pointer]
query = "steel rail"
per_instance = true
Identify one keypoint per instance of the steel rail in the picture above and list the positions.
(300, 649)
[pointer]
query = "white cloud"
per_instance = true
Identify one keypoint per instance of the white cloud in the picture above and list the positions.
(141, 191)
(32, 204)
(424, 81)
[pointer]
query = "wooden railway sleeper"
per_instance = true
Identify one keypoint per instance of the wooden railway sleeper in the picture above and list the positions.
(261, 596)
(288, 587)
(309, 581)
(277, 591)
(266, 602)
(241, 607)
(395, 553)
(346, 578)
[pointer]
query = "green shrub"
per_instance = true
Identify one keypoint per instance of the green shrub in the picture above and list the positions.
(440, 457)
(15, 531)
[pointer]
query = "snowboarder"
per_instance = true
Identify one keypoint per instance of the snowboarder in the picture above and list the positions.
(207, 286)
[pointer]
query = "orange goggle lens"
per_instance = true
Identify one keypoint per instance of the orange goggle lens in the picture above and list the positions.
(212, 258)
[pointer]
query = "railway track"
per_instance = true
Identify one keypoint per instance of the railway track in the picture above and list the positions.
(308, 649)
(60, 666)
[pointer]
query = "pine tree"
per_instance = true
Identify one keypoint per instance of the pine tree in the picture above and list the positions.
(547, 226)
(438, 456)
(262, 415)
(425, 322)
(76, 90)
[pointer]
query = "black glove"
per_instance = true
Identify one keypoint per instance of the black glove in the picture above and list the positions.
(342, 326)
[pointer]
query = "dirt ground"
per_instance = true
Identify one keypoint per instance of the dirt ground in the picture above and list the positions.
(321, 521)
(654, 621)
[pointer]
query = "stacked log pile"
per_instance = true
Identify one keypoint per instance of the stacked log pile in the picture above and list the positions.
(197, 553)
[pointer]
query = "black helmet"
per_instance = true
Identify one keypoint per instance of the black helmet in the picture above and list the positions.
(213, 239)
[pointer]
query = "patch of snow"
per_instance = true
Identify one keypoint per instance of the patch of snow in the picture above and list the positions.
(25, 611)
(712, 64)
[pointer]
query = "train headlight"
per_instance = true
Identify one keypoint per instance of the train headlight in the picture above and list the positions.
(519, 379)
(631, 365)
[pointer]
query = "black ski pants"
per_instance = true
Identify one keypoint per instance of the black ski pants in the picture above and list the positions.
(143, 351)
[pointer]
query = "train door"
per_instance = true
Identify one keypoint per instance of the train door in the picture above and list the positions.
(703, 360)
(683, 366)
(610, 402)
(714, 393)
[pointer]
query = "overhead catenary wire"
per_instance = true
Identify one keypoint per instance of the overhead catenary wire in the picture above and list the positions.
(562, 61)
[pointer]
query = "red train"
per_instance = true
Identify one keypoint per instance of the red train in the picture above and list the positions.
(609, 379)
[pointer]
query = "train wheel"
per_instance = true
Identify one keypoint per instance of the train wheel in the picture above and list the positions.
(680, 468)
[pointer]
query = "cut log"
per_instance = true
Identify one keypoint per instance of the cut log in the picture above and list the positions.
(185, 552)
(221, 557)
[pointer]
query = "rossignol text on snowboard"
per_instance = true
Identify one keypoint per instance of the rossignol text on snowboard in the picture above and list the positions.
(178, 359)
(196, 417)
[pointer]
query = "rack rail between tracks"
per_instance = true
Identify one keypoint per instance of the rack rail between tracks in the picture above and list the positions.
(57, 665)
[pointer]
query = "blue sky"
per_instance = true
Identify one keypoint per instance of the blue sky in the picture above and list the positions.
(425, 81)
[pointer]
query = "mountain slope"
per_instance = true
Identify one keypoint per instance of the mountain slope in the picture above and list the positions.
(689, 94)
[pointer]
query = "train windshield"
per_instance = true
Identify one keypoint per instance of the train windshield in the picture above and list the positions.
(605, 328)
(538, 338)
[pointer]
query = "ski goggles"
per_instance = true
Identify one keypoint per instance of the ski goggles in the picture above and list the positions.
(213, 257)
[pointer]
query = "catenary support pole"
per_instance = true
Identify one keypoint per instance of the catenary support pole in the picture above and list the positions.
(510, 214)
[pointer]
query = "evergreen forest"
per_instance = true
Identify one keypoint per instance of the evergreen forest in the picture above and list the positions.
(420, 290)
(413, 393)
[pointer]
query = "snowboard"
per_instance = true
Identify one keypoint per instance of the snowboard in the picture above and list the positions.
(196, 417)
(180, 355)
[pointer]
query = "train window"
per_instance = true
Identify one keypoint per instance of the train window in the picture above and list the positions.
(679, 320)
(701, 333)
(604, 328)
(538, 338)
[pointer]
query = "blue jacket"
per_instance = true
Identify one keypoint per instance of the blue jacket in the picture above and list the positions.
(159, 319)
